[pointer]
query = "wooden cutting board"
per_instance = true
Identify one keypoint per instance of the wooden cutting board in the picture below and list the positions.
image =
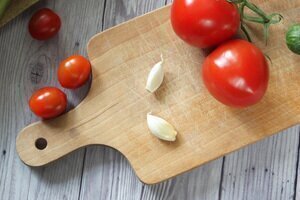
(114, 111)
(15, 8)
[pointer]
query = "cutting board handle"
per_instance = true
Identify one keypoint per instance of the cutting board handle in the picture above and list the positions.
(46, 141)
(94, 121)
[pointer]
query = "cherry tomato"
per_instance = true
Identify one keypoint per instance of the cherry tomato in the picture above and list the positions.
(48, 102)
(44, 24)
(74, 72)
(204, 23)
(236, 73)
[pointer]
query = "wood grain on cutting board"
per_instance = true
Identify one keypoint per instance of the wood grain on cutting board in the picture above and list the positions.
(114, 112)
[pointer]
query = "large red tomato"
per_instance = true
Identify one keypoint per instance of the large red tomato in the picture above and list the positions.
(74, 71)
(236, 73)
(204, 23)
(48, 102)
(44, 24)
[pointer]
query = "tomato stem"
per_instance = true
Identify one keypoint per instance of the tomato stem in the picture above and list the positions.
(254, 19)
(257, 10)
(244, 29)
(261, 18)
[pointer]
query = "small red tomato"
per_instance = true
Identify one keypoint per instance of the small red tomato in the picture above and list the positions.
(236, 73)
(44, 24)
(204, 23)
(48, 102)
(74, 72)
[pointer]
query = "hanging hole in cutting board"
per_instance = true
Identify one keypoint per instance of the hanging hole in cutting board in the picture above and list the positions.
(41, 143)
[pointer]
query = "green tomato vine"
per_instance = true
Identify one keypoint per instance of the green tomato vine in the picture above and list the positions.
(261, 17)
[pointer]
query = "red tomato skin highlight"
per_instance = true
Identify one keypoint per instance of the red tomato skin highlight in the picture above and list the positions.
(74, 72)
(236, 74)
(44, 24)
(204, 23)
(48, 102)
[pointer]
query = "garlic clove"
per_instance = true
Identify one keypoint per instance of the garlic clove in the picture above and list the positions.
(155, 77)
(161, 128)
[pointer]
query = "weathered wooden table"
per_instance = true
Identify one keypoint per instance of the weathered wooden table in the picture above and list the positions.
(266, 170)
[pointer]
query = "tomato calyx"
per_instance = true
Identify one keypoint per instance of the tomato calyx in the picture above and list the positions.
(262, 18)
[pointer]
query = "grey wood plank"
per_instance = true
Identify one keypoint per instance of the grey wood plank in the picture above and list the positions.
(108, 175)
(14, 175)
(27, 65)
(265, 170)
(200, 183)
(80, 22)
(297, 178)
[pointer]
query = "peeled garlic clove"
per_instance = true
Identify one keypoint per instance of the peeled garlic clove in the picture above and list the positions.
(155, 77)
(161, 128)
